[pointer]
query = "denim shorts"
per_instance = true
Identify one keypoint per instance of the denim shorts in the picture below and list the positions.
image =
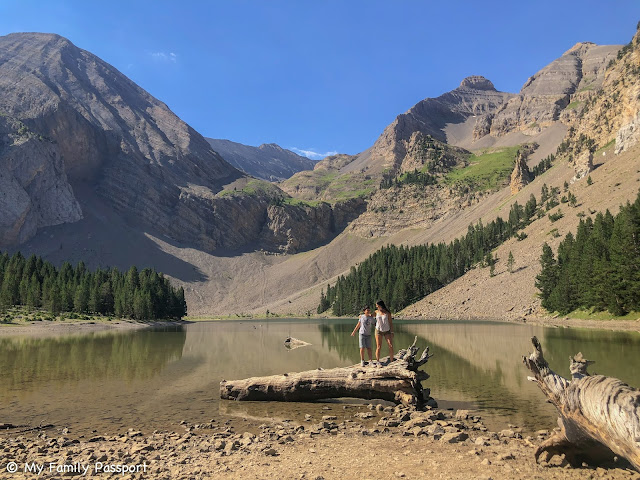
(365, 341)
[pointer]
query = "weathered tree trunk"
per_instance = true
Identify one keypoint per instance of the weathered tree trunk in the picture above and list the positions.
(599, 416)
(398, 382)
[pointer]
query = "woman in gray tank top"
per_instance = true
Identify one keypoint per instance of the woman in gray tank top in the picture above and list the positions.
(384, 329)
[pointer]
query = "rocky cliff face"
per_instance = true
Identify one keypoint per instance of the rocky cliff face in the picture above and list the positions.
(268, 161)
(106, 133)
(292, 228)
(111, 133)
(583, 165)
(475, 96)
(521, 177)
(34, 191)
(570, 78)
(556, 93)
(393, 210)
(612, 113)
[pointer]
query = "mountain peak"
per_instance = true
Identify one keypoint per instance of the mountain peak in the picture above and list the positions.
(580, 46)
(271, 146)
(31, 39)
(477, 82)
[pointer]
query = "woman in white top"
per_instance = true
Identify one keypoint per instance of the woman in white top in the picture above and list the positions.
(384, 329)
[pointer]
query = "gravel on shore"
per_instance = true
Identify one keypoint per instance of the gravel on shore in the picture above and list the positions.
(384, 442)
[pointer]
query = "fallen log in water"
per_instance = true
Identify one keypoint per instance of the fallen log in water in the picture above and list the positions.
(398, 381)
(599, 416)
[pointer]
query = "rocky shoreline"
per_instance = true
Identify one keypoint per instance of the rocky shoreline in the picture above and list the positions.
(66, 327)
(75, 326)
(382, 442)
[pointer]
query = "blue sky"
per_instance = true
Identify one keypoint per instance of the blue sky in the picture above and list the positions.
(319, 76)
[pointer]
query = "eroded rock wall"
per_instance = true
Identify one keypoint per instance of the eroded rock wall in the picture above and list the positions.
(34, 189)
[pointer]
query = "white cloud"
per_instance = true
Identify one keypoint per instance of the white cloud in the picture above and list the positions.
(312, 154)
(164, 56)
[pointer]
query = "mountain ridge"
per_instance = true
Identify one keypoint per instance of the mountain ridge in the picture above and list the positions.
(138, 156)
(253, 279)
(268, 161)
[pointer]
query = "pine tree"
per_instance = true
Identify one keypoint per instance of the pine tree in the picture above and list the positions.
(510, 262)
(33, 294)
(138, 305)
(625, 264)
(546, 280)
(544, 194)
(81, 297)
(55, 299)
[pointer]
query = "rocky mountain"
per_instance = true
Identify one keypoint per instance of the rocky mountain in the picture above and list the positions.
(104, 135)
(327, 182)
(580, 102)
(610, 114)
(34, 189)
(268, 161)
(194, 216)
(570, 78)
(474, 97)
(477, 117)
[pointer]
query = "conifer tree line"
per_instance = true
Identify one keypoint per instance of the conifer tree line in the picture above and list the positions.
(597, 268)
(544, 165)
(403, 275)
(36, 283)
(414, 177)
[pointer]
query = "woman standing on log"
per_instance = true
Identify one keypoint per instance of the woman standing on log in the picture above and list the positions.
(384, 329)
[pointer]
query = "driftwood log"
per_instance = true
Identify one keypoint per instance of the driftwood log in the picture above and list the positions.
(292, 343)
(599, 415)
(398, 381)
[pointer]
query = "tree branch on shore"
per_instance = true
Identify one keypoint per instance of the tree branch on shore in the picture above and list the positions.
(599, 415)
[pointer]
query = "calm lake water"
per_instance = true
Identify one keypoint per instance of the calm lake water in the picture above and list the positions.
(110, 381)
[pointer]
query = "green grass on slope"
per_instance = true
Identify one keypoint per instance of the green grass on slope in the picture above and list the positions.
(253, 187)
(604, 147)
(299, 201)
(333, 187)
(348, 186)
(486, 171)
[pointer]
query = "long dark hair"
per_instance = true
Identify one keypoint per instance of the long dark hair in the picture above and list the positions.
(380, 304)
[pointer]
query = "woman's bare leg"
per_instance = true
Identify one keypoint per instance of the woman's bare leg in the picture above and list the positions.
(389, 339)
(378, 346)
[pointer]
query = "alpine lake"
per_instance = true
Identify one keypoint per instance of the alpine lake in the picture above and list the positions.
(149, 380)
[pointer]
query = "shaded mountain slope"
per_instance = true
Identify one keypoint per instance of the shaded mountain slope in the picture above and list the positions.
(34, 190)
(114, 138)
(268, 161)
(141, 157)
